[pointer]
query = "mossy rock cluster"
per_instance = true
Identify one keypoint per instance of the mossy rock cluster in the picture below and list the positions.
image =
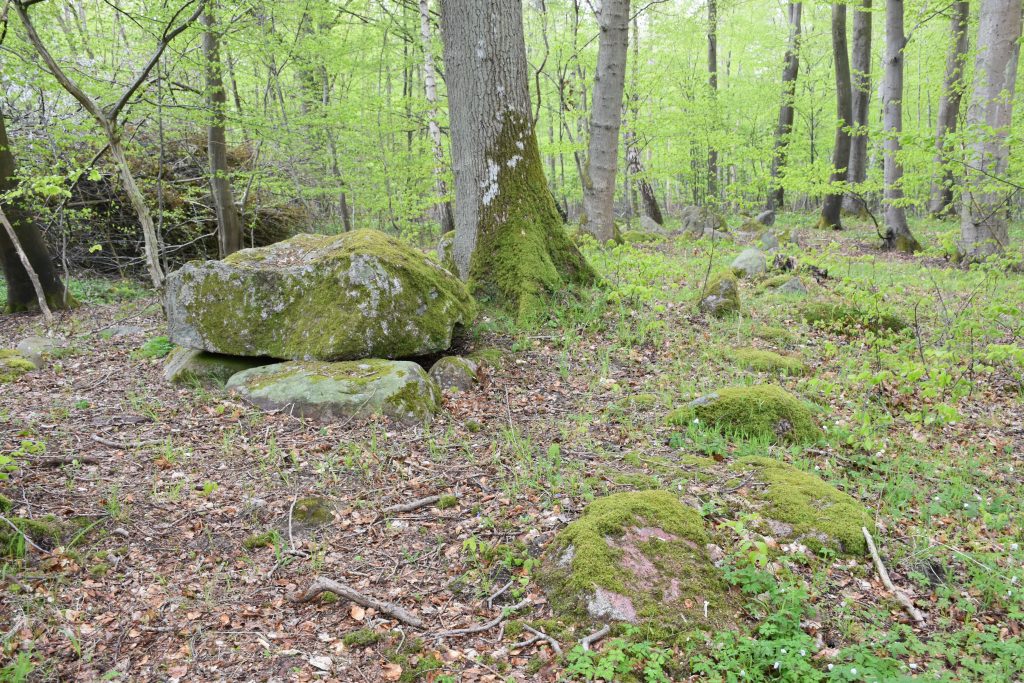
(758, 412)
(848, 319)
(761, 360)
(637, 557)
(13, 365)
(720, 296)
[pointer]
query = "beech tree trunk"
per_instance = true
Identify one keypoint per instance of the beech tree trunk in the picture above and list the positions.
(831, 208)
(941, 202)
(634, 163)
(713, 85)
(897, 232)
(983, 215)
(444, 207)
(509, 239)
(229, 225)
(860, 63)
(790, 69)
(605, 120)
(21, 293)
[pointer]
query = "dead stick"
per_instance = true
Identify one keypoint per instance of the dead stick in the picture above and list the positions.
(412, 505)
(900, 596)
(123, 446)
(595, 636)
(543, 636)
(486, 626)
(57, 461)
(324, 585)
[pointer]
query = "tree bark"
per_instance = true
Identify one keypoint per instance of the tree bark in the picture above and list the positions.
(605, 120)
(860, 57)
(444, 207)
(713, 86)
(983, 222)
(21, 291)
(790, 69)
(229, 225)
(509, 239)
(634, 163)
(897, 234)
(941, 202)
(830, 210)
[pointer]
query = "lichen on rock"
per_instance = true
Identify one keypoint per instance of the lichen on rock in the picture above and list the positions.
(763, 411)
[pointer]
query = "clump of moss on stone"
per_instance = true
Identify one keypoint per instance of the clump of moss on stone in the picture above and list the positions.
(364, 637)
(820, 515)
(721, 295)
(312, 512)
(763, 411)
(261, 540)
(774, 281)
(847, 318)
(762, 360)
(13, 365)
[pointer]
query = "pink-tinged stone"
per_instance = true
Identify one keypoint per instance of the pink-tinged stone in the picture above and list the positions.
(606, 604)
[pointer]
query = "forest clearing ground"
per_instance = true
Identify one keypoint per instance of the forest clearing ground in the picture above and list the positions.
(925, 429)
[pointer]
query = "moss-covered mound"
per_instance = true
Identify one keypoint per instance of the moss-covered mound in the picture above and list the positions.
(764, 411)
(847, 318)
(802, 507)
(13, 365)
(637, 236)
(637, 557)
(357, 295)
(761, 360)
(342, 391)
(721, 295)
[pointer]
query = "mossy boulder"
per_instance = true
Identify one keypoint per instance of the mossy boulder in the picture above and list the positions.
(637, 557)
(13, 365)
(751, 262)
(802, 507)
(721, 296)
(401, 390)
(39, 349)
(360, 294)
(637, 237)
(191, 366)
(763, 411)
(455, 372)
(848, 319)
(762, 360)
(702, 221)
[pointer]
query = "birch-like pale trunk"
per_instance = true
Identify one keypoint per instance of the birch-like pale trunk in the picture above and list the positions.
(832, 206)
(790, 69)
(605, 120)
(444, 207)
(509, 239)
(860, 64)
(897, 232)
(984, 229)
(941, 202)
(229, 225)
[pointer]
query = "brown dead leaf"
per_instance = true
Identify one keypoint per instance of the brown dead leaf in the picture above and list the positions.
(357, 612)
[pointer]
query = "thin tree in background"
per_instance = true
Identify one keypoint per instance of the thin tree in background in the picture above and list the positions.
(713, 85)
(605, 120)
(940, 203)
(790, 69)
(229, 225)
(897, 232)
(634, 162)
(509, 239)
(860, 58)
(444, 207)
(984, 229)
(832, 206)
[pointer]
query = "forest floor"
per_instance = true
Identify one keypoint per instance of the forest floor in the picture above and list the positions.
(175, 550)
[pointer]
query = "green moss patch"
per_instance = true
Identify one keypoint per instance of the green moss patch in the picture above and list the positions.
(764, 411)
(847, 318)
(637, 236)
(819, 514)
(761, 360)
(13, 365)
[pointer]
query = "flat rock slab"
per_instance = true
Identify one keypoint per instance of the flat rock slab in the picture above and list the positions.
(361, 294)
(400, 390)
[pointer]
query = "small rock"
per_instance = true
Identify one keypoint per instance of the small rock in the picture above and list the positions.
(455, 372)
(769, 240)
(766, 218)
(323, 663)
(119, 331)
(750, 263)
(793, 286)
(38, 350)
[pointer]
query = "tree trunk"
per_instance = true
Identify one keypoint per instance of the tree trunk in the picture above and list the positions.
(790, 69)
(605, 120)
(713, 85)
(509, 239)
(444, 207)
(941, 202)
(983, 223)
(634, 164)
(21, 293)
(229, 225)
(897, 233)
(860, 57)
(830, 209)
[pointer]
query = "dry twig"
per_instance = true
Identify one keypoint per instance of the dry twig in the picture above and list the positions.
(411, 505)
(324, 585)
(900, 596)
(545, 637)
(485, 626)
(595, 636)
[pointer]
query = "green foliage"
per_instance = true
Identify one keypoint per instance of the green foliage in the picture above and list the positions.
(621, 659)
(157, 347)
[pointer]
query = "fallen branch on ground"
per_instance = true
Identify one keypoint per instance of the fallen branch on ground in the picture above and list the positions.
(411, 505)
(595, 636)
(324, 585)
(505, 613)
(57, 461)
(122, 445)
(543, 636)
(900, 596)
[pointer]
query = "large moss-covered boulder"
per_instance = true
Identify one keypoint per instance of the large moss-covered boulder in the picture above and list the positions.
(637, 557)
(13, 365)
(361, 294)
(342, 391)
(764, 411)
(721, 296)
(801, 507)
(191, 366)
